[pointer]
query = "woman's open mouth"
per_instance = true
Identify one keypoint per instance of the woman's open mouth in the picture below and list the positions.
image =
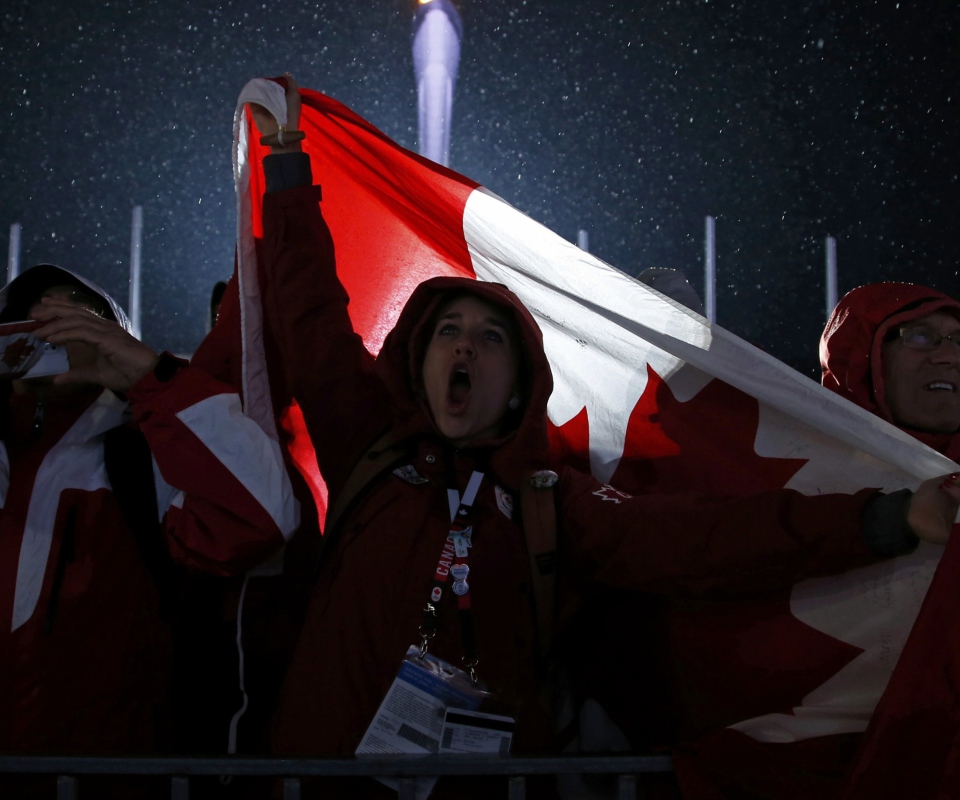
(458, 390)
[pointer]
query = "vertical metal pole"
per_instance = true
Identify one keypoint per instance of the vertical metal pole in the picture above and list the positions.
(583, 240)
(13, 254)
(407, 789)
(66, 787)
(627, 787)
(710, 270)
(179, 787)
(831, 248)
(136, 245)
(291, 789)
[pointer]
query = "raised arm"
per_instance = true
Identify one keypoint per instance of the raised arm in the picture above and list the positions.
(327, 367)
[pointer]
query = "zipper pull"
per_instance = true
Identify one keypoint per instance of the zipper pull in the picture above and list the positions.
(38, 416)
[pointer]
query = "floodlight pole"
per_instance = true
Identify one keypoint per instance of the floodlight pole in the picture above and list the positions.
(710, 269)
(831, 265)
(583, 240)
(136, 245)
(13, 254)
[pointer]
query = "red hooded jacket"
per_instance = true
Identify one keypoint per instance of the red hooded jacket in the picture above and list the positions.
(83, 651)
(819, 767)
(850, 348)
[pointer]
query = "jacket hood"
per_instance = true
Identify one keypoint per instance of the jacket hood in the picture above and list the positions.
(850, 348)
(18, 295)
(525, 446)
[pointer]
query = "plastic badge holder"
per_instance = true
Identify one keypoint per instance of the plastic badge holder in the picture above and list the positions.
(466, 731)
(22, 355)
(412, 715)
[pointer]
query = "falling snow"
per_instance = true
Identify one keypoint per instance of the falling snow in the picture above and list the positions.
(630, 120)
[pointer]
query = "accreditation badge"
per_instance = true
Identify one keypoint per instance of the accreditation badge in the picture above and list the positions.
(412, 717)
(466, 731)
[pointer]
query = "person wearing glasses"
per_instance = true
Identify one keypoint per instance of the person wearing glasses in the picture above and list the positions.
(894, 349)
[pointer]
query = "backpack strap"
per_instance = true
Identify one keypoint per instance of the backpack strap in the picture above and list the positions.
(539, 514)
(129, 466)
(383, 453)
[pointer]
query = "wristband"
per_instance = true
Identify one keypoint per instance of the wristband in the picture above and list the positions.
(282, 138)
(167, 366)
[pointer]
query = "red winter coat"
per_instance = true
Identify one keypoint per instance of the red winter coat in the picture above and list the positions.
(83, 653)
(911, 746)
(378, 563)
(851, 347)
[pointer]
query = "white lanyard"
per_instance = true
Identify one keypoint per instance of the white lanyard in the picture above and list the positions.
(469, 495)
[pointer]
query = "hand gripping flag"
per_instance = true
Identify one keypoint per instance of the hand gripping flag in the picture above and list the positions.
(649, 395)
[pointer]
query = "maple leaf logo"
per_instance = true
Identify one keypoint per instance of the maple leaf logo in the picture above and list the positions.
(737, 659)
(608, 493)
(17, 352)
(705, 444)
(721, 656)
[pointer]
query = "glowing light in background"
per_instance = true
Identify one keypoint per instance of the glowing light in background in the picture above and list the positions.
(437, 32)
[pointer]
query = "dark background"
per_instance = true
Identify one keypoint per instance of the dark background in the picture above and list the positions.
(788, 121)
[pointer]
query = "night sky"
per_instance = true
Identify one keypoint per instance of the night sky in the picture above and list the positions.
(632, 120)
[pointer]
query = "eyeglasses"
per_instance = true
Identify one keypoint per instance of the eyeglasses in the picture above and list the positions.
(926, 339)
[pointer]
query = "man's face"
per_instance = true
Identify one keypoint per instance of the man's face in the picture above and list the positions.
(923, 385)
(470, 369)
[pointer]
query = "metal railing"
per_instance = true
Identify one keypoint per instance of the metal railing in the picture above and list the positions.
(406, 769)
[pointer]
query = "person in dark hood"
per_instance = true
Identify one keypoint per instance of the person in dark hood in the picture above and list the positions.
(113, 469)
(894, 349)
(436, 456)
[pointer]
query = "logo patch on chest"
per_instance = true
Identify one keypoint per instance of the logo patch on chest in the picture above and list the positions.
(607, 492)
(504, 501)
(410, 475)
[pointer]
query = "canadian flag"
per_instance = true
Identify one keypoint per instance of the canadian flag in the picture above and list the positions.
(650, 396)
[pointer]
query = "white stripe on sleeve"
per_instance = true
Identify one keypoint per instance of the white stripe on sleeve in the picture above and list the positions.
(248, 453)
(167, 496)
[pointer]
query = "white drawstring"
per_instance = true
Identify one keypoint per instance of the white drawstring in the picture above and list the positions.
(234, 723)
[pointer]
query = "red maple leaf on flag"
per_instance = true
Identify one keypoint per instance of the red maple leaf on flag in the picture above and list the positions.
(672, 446)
